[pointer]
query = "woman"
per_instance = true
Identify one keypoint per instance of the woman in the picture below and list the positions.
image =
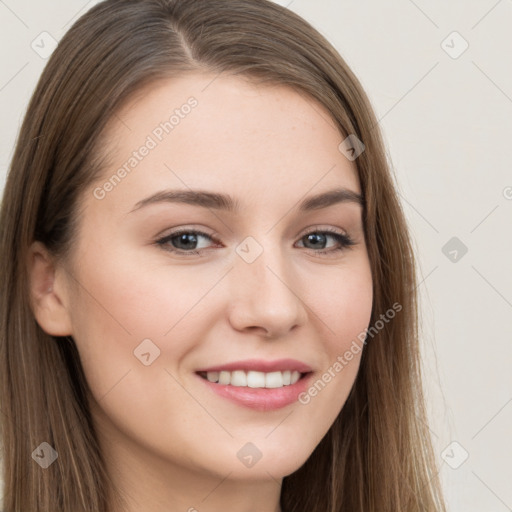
(209, 291)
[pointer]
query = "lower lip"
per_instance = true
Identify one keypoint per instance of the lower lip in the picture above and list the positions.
(261, 399)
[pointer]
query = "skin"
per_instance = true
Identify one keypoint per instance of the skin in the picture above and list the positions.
(170, 443)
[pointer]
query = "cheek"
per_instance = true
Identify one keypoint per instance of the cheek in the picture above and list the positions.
(341, 302)
(342, 311)
(119, 326)
(129, 313)
(131, 300)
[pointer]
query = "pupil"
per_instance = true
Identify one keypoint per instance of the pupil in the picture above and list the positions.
(316, 237)
(183, 239)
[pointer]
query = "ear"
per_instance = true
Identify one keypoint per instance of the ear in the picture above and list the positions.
(48, 292)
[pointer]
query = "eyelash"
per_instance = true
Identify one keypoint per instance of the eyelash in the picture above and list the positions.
(344, 240)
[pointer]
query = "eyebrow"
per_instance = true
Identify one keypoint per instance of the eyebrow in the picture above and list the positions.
(225, 202)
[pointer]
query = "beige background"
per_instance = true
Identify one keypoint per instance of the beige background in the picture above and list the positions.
(447, 120)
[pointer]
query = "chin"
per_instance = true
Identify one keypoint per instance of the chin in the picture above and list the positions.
(264, 459)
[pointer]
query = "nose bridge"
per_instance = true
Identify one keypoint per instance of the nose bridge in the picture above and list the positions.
(263, 285)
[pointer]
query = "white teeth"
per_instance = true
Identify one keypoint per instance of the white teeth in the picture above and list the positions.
(254, 379)
(213, 376)
(274, 380)
(224, 378)
(238, 378)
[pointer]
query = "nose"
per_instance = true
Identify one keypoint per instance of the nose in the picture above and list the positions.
(265, 296)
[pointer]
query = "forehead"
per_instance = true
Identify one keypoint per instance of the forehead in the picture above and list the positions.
(223, 133)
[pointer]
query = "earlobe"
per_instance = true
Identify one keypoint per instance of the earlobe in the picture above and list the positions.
(47, 292)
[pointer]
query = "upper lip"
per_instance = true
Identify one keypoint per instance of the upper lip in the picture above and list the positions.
(260, 365)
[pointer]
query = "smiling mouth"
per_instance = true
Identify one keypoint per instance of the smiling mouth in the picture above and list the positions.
(254, 379)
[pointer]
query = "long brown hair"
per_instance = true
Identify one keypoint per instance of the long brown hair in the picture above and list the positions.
(377, 456)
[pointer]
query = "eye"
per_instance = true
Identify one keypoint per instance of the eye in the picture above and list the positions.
(187, 241)
(183, 241)
(318, 241)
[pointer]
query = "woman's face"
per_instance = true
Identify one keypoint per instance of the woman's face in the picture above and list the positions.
(202, 246)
